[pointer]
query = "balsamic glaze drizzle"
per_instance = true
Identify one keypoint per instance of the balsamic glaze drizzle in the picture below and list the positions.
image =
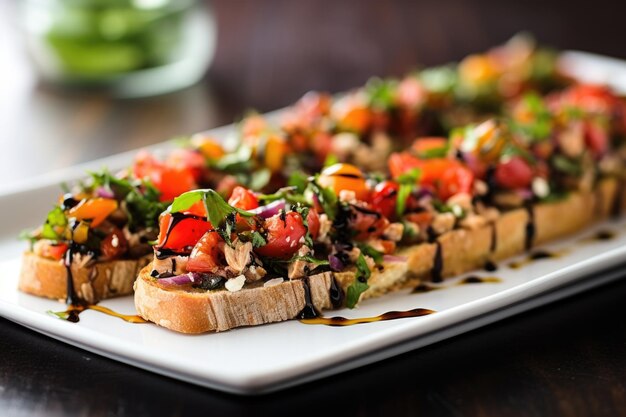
(535, 256)
(490, 266)
(73, 311)
(67, 262)
(335, 293)
(472, 279)
(175, 218)
(309, 311)
(530, 225)
(390, 315)
(435, 272)
(494, 238)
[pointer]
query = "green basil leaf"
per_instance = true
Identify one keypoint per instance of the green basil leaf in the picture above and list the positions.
(371, 252)
(327, 198)
(259, 179)
(567, 166)
(403, 194)
(359, 286)
(410, 177)
(440, 152)
(299, 180)
(381, 93)
(186, 200)
(258, 240)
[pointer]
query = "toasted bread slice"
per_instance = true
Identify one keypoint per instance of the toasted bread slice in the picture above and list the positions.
(92, 282)
(458, 251)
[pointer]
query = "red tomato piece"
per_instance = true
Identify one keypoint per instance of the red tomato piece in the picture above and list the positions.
(206, 254)
(187, 159)
(183, 235)
(367, 225)
(284, 234)
(400, 163)
(171, 181)
(54, 251)
(424, 145)
(243, 198)
(114, 244)
(313, 220)
(514, 173)
(456, 179)
(596, 138)
(385, 197)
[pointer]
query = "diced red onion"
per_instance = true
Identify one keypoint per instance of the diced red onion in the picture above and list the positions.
(270, 209)
(104, 192)
(525, 193)
(424, 192)
(335, 263)
(395, 258)
(188, 278)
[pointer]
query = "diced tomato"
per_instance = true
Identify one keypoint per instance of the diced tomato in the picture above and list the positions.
(206, 254)
(226, 185)
(385, 197)
(313, 220)
(423, 218)
(197, 209)
(388, 246)
(590, 98)
(423, 145)
(114, 244)
(54, 250)
(171, 181)
(183, 235)
(367, 224)
(94, 209)
(284, 235)
(191, 159)
(447, 176)
(596, 138)
(322, 144)
(341, 177)
(243, 198)
(455, 179)
(401, 163)
(514, 173)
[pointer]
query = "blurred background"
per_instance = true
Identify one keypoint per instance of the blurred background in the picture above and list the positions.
(244, 54)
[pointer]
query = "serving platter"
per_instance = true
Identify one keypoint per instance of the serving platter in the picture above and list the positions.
(271, 357)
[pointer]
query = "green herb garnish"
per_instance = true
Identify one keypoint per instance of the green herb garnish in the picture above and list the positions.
(221, 214)
(359, 286)
(407, 183)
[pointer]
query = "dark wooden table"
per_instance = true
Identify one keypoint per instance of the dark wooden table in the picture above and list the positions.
(568, 358)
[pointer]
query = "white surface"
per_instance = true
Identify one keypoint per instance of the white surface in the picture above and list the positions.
(265, 358)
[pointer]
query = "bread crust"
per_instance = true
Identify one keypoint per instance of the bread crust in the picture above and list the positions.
(462, 250)
(93, 282)
(199, 312)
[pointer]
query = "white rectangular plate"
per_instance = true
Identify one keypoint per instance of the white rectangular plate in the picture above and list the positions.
(271, 357)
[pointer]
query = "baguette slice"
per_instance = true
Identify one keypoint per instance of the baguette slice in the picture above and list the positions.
(93, 282)
(461, 250)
